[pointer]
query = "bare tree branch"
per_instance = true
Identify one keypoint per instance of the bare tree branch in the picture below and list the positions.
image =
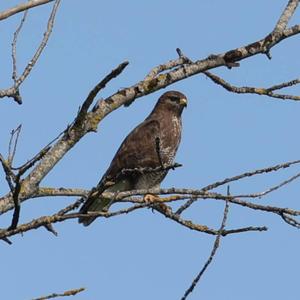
(290, 221)
(49, 191)
(68, 293)
(17, 97)
(93, 93)
(271, 189)
(238, 177)
(21, 7)
(198, 194)
(14, 91)
(60, 217)
(212, 254)
(284, 85)
(254, 90)
(286, 16)
(169, 65)
(12, 146)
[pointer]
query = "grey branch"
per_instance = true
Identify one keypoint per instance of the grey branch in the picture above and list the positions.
(254, 90)
(21, 7)
(60, 217)
(14, 90)
(212, 254)
(94, 92)
(238, 177)
(271, 189)
(286, 16)
(14, 55)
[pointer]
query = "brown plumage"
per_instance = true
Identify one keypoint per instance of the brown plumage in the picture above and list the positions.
(151, 145)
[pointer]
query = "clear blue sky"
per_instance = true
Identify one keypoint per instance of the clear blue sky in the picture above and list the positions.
(143, 255)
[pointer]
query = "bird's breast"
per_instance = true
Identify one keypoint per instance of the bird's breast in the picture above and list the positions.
(170, 139)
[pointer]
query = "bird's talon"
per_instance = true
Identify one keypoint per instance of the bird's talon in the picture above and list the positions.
(149, 198)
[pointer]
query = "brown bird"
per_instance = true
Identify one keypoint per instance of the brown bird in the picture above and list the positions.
(144, 157)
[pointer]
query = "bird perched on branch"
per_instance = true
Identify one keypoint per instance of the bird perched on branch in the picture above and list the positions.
(145, 156)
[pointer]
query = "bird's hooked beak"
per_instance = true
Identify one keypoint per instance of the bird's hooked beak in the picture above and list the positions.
(183, 102)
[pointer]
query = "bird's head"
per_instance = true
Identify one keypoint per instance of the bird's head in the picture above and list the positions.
(173, 100)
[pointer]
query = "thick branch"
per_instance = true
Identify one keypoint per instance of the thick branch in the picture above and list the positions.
(286, 16)
(51, 192)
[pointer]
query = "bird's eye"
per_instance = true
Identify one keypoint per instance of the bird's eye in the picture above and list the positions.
(174, 98)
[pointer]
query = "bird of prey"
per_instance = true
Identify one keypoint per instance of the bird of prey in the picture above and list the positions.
(144, 157)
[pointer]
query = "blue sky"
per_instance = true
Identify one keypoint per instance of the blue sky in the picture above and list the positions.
(144, 255)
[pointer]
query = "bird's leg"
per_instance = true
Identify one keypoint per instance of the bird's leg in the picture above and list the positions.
(157, 147)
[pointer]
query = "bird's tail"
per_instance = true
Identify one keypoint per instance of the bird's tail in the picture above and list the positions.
(94, 203)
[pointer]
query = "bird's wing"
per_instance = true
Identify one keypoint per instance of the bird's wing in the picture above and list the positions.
(138, 150)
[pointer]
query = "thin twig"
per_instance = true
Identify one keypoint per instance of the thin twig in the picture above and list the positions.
(284, 85)
(42, 45)
(270, 190)
(34, 160)
(72, 292)
(101, 85)
(14, 90)
(14, 46)
(290, 221)
(212, 254)
(51, 229)
(13, 142)
(238, 177)
(254, 90)
(30, 163)
(6, 240)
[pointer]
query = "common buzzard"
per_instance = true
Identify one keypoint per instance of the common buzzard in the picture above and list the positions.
(143, 158)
